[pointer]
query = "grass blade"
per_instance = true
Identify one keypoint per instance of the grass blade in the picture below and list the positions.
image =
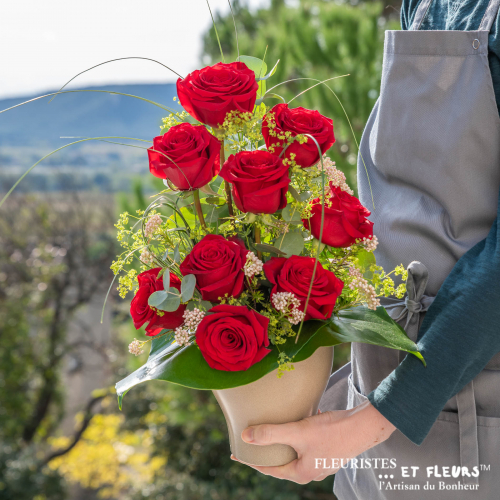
(216, 33)
(110, 61)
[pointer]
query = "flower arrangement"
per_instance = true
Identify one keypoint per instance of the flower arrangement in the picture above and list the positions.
(248, 264)
(257, 252)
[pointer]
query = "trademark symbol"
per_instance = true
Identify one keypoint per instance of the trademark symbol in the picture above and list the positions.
(485, 467)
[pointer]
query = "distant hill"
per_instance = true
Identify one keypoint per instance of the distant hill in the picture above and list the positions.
(31, 131)
(85, 114)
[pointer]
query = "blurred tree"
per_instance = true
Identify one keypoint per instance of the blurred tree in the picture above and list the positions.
(54, 258)
(314, 39)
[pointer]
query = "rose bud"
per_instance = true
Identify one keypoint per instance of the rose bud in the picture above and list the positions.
(217, 264)
(297, 121)
(294, 275)
(187, 155)
(259, 179)
(345, 219)
(142, 313)
(233, 338)
(212, 92)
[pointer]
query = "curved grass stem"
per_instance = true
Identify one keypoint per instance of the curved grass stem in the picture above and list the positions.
(110, 61)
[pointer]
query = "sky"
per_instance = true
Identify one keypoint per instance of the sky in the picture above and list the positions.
(44, 43)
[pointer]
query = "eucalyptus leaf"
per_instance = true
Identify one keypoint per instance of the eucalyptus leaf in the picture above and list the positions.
(291, 215)
(187, 287)
(186, 366)
(211, 215)
(291, 243)
(205, 304)
(172, 302)
(264, 247)
(157, 298)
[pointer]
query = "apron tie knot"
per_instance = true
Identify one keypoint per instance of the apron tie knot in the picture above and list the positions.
(415, 302)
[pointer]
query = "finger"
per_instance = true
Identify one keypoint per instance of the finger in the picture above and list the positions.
(288, 471)
(271, 434)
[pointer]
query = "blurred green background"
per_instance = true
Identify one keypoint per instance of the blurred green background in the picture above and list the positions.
(61, 434)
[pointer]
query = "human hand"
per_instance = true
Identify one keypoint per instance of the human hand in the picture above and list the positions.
(334, 434)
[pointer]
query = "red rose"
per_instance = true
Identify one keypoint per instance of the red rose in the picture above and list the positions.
(217, 264)
(212, 92)
(233, 338)
(345, 220)
(294, 275)
(142, 313)
(298, 121)
(260, 181)
(187, 155)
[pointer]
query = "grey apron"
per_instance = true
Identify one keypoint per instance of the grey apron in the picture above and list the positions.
(431, 149)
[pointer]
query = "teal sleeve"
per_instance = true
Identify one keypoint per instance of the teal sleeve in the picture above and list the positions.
(460, 332)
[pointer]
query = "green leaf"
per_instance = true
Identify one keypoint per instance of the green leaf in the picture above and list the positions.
(269, 220)
(166, 279)
(299, 196)
(365, 260)
(214, 200)
(264, 247)
(208, 190)
(259, 67)
(211, 215)
(291, 215)
(157, 298)
(205, 304)
(172, 302)
(291, 243)
(186, 366)
(271, 73)
(177, 255)
(187, 287)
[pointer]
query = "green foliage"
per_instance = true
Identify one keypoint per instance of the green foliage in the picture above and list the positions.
(186, 366)
(319, 40)
(49, 267)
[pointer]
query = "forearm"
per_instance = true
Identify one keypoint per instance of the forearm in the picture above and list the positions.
(457, 339)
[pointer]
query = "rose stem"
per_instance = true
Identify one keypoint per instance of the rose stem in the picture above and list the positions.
(226, 184)
(257, 240)
(199, 211)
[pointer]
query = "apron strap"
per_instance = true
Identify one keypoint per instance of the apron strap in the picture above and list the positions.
(420, 14)
(467, 428)
(416, 303)
(486, 23)
(490, 15)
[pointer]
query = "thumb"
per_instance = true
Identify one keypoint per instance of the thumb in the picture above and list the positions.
(270, 434)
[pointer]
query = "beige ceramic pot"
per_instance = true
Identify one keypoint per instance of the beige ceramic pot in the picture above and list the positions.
(271, 400)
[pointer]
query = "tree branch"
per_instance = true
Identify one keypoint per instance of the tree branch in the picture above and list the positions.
(79, 433)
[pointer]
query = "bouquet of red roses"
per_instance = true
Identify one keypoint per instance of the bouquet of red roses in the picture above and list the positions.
(257, 252)
(255, 260)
